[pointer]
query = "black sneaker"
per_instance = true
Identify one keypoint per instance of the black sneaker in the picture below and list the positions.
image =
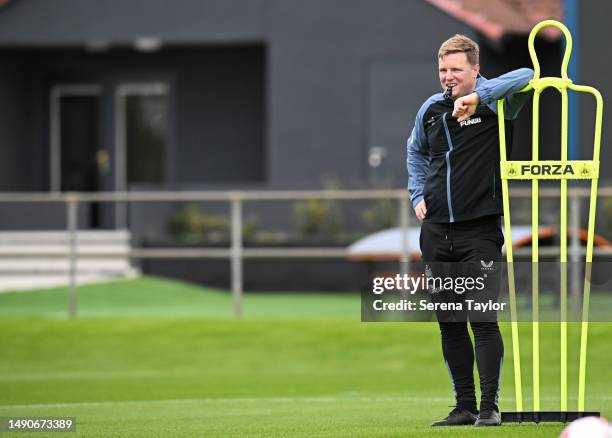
(457, 417)
(488, 417)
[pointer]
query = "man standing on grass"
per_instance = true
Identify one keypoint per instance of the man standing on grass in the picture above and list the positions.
(455, 189)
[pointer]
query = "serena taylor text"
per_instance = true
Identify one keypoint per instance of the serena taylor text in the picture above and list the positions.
(471, 305)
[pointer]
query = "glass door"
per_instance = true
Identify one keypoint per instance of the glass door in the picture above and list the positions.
(77, 159)
(141, 138)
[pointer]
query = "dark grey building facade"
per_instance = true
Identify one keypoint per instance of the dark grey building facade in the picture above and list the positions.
(228, 94)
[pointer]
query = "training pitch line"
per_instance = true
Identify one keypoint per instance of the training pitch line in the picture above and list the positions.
(321, 399)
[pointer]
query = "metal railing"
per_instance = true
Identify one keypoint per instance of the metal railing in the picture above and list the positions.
(236, 253)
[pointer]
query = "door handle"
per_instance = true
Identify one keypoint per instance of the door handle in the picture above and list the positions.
(102, 161)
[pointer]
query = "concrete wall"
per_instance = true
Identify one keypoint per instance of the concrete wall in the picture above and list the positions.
(76, 22)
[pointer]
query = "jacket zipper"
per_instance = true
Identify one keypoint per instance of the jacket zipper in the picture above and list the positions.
(494, 182)
(448, 170)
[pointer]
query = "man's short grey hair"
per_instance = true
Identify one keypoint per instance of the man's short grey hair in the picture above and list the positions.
(460, 44)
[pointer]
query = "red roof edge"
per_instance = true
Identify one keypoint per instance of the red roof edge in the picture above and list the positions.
(492, 30)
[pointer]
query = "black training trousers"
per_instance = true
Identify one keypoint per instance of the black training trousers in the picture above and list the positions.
(476, 242)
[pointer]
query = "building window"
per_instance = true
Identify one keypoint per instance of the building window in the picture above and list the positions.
(146, 137)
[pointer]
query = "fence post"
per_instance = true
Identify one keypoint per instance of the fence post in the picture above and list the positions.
(236, 252)
(71, 213)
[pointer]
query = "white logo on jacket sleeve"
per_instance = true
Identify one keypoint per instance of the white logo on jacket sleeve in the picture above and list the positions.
(469, 122)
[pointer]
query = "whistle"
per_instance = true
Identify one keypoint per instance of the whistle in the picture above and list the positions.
(448, 93)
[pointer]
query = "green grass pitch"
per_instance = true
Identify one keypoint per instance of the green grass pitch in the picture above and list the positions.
(158, 358)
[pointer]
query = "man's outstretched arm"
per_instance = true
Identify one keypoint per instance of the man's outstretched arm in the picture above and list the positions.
(490, 91)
